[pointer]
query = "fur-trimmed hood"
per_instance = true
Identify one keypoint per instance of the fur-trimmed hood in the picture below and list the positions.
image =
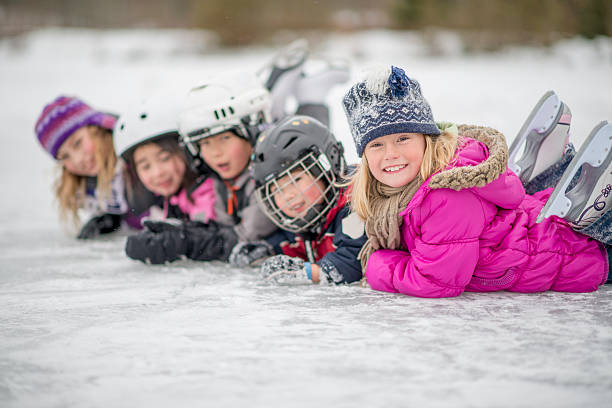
(481, 165)
(475, 174)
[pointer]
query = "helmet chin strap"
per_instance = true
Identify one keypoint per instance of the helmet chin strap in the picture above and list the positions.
(252, 128)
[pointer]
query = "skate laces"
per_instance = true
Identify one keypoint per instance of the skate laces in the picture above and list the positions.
(599, 205)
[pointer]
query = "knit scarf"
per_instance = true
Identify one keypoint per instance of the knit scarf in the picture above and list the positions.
(383, 226)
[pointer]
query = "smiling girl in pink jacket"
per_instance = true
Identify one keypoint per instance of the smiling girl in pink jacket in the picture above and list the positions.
(443, 212)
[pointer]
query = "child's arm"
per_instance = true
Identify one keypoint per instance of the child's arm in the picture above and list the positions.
(254, 224)
(253, 252)
(445, 252)
(341, 265)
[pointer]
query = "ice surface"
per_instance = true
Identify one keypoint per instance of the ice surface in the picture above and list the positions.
(83, 326)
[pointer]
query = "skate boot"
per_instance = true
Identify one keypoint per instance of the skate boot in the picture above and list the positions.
(282, 73)
(318, 78)
(313, 87)
(591, 198)
(544, 136)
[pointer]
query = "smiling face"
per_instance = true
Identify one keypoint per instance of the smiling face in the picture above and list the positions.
(395, 160)
(77, 153)
(159, 170)
(226, 154)
(297, 192)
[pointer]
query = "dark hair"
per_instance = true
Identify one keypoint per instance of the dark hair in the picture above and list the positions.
(138, 196)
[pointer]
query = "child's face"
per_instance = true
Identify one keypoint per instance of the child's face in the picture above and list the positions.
(395, 160)
(297, 192)
(159, 170)
(225, 153)
(77, 153)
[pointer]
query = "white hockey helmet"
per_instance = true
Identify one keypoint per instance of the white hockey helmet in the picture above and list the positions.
(234, 101)
(153, 118)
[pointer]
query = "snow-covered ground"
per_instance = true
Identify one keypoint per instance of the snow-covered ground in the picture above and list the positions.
(83, 326)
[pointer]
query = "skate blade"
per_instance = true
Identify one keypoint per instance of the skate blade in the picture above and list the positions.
(594, 151)
(544, 114)
(542, 150)
(293, 54)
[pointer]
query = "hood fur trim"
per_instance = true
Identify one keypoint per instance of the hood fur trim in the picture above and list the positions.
(482, 174)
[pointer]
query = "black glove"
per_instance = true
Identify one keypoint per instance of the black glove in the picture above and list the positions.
(171, 224)
(214, 242)
(102, 224)
(247, 253)
(167, 241)
(156, 247)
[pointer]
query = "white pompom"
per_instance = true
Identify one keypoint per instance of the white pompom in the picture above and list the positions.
(376, 79)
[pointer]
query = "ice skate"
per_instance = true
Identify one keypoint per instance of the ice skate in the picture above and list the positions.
(544, 136)
(282, 73)
(286, 60)
(592, 195)
(318, 78)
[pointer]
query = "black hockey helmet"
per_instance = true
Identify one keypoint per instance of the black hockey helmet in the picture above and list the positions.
(297, 145)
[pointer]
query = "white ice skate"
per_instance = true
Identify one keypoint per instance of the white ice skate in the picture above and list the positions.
(319, 77)
(592, 195)
(287, 59)
(280, 75)
(544, 136)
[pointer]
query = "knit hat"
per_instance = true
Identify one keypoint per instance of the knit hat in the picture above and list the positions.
(387, 102)
(62, 117)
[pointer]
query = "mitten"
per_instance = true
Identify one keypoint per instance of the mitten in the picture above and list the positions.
(156, 247)
(247, 253)
(170, 224)
(285, 269)
(208, 241)
(102, 224)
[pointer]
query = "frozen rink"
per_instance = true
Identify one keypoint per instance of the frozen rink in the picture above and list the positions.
(81, 325)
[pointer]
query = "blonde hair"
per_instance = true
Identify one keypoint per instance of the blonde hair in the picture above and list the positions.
(439, 152)
(70, 188)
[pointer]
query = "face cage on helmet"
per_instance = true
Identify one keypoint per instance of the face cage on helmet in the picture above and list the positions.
(309, 218)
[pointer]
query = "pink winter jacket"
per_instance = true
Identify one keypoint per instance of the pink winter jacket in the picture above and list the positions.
(201, 207)
(484, 239)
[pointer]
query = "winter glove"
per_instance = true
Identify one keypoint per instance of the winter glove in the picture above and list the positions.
(102, 224)
(156, 226)
(285, 269)
(167, 241)
(156, 247)
(213, 243)
(247, 253)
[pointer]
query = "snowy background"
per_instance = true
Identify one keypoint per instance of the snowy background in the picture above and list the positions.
(83, 326)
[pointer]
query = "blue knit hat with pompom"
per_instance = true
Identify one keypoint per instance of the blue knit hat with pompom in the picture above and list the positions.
(387, 102)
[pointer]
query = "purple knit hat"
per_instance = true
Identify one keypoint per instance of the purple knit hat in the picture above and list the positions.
(62, 117)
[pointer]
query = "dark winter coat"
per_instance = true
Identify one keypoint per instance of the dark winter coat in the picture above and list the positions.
(334, 249)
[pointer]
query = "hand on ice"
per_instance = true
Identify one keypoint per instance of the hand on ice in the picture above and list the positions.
(247, 253)
(156, 247)
(285, 269)
(167, 241)
(102, 224)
